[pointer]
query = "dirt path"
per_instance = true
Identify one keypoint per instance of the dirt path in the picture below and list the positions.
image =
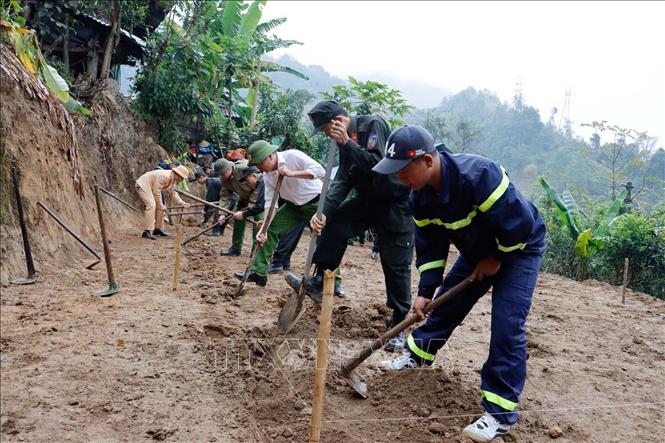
(197, 366)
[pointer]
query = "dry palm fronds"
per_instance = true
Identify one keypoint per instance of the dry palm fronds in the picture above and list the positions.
(34, 87)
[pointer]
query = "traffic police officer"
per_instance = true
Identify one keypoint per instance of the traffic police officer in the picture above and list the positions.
(380, 202)
(231, 174)
(468, 200)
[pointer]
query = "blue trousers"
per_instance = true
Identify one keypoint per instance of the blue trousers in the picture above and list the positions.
(504, 372)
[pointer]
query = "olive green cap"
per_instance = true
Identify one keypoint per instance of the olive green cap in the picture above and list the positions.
(259, 151)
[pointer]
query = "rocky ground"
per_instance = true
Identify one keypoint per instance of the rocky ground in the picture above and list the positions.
(195, 365)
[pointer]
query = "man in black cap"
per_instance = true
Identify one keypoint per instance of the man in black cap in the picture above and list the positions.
(469, 200)
(380, 202)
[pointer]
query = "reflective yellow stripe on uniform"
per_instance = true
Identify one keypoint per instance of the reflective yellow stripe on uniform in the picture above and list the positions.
(416, 350)
(509, 248)
(496, 194)
(454, 225)
(498, 400)
(432, 265)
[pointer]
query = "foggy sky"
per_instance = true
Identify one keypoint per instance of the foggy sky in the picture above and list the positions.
(609, 54)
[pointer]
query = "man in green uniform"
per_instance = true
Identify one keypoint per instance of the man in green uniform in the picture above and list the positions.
(231, 174)
(380, 202)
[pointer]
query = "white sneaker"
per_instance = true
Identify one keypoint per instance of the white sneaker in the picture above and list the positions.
(397, 343)
(400, 363)
(486, 429)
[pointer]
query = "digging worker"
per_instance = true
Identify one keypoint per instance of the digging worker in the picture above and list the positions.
(231, 174)
(213, 192)
(300, 190)
(380, 202)
(254, 179)
(468, 200)
(149, 186)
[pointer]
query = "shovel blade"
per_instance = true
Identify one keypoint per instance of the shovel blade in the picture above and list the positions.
(23, 280)
(355, 381)
(93, 264)
(291, 313)
(108, 291)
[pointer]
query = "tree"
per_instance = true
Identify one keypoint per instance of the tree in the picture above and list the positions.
(627, 150)
(194, 72)
(466, 133)
(436, 125)
(371, 97)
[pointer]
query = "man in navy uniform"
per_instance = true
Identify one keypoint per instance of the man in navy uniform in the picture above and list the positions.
(469, 200)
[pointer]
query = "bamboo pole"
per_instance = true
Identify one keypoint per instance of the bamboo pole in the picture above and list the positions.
(178, 254)
(625, 280)
(322, 347)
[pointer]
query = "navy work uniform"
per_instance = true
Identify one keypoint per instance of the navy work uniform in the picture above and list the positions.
(482, 214)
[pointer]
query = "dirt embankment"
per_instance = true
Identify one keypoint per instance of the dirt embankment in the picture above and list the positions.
(114, 147)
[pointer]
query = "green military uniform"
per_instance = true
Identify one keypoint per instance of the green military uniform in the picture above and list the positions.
(246, 197)
(381, 202)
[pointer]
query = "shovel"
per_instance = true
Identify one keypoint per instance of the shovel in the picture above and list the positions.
(73, 234)
(264, 228)
(356, 381)
(32, 274)
(295, 306)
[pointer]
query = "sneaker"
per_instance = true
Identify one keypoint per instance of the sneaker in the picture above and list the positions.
(373, 255)
(339, 291)
(397, 343)
(213, 233)
(253, 277)
(160, 233)
(275, 268)
(231, 252)
(147, 234)
(404, 361)
(486, 429)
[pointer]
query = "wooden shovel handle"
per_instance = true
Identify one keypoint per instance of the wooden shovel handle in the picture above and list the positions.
(350, 364)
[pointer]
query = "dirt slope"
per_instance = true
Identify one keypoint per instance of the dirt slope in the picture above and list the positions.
(197, 366)
(114, 146)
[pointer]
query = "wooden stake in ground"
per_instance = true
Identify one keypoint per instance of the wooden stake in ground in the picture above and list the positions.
(625, 280)
(178, 253)
(113, 286)
(322, 346)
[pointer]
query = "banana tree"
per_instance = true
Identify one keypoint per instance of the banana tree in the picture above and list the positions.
(568, 210)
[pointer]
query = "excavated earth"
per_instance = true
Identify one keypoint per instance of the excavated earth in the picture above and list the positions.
(197, 365)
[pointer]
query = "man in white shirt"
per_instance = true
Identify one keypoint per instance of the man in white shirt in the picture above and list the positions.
(300, 189)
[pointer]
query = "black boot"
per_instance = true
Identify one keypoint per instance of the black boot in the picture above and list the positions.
(231, 252)
(260, 280)
(160, 233)
(147, 234)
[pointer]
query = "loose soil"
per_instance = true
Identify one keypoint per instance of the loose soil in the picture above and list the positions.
(196, 365)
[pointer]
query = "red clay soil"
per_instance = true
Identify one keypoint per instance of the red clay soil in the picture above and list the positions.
(195, 365)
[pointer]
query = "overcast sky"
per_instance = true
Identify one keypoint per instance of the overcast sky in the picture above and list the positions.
(611, 55)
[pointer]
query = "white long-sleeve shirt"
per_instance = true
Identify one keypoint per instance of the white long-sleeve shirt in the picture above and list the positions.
(295, 190)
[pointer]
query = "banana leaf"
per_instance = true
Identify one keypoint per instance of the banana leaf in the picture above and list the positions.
(250, 19)
(564, 212)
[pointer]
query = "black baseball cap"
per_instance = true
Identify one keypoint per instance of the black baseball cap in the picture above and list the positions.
(405, 145)
(249, 171)
(323, 112)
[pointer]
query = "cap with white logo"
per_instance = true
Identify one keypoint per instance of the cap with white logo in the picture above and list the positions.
(405, 145)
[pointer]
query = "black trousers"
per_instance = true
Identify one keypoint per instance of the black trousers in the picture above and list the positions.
(395, 243)
(287, 244)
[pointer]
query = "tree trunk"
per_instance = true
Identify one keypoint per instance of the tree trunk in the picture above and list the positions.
(110, 41)
(65, 44)
(255, 102)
